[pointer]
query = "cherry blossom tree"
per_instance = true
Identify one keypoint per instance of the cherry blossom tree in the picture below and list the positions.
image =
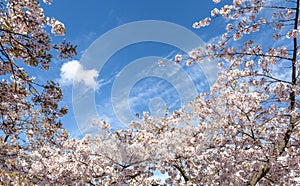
(245, 131)
(259, 86)
(29, 111)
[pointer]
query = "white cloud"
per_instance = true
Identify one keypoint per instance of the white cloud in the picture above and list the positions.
(74, 71)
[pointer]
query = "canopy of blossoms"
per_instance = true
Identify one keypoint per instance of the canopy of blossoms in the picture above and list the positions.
(245, 131)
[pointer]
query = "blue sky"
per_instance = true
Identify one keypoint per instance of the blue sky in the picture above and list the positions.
(87, 21)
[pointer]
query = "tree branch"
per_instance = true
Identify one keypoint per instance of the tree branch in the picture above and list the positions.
(259, 175)
(186, 179)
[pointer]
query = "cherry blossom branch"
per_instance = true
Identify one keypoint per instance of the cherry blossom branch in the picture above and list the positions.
(258, 176)
(16, 33)
(273, 7)
(10, 62)
(278, 80)
(182, 172)
(262, 55)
